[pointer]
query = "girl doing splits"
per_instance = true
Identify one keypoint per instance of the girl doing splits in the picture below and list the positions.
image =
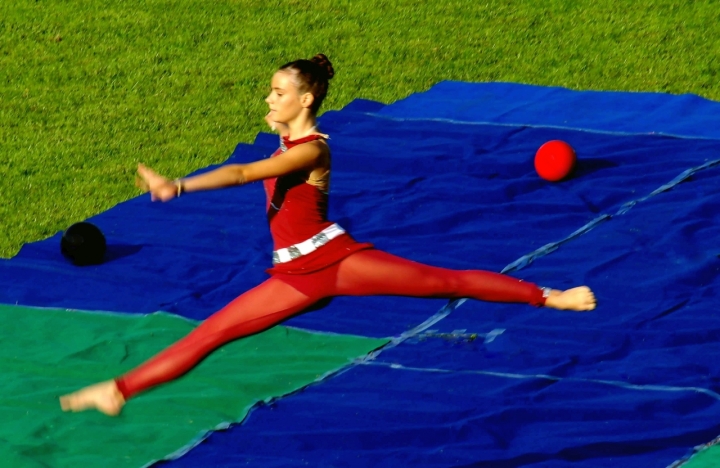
(314, 258)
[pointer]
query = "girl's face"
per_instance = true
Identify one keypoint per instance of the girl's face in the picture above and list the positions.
(284, 100)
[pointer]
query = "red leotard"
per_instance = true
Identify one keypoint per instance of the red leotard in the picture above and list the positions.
(342, 267)
(297, 211)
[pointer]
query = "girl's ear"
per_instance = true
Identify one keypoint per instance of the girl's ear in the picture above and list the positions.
(306, 100)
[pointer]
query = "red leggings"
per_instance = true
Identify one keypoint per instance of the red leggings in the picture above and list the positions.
(364, 273)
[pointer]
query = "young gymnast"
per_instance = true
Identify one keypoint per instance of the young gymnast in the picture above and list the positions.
(314, 258)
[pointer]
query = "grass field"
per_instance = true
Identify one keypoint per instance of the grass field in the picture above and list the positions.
(89, 88)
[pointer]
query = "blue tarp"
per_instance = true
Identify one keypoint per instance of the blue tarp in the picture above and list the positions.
(685, 115)
(446, 177)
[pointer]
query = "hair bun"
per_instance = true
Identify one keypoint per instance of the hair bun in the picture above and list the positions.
(323, 62)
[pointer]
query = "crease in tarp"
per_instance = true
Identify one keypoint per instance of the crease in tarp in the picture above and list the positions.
(686, 115)
(488, 337)
(435, 318)
(548, 127)
(677, 180)
(526, 260)
(552, 378)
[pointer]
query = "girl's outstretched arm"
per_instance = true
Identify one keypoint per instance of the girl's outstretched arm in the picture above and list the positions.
(301, 157)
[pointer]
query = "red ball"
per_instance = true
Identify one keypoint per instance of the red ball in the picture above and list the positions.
(555, 160)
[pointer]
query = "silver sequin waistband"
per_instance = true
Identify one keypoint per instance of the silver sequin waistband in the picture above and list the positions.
(305, 247)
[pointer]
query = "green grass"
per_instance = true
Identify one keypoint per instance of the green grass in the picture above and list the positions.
(89, 88)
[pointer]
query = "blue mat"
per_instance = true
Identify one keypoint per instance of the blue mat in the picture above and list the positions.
(446, 177)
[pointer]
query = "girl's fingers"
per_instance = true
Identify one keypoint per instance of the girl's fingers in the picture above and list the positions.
(150, 181)
(141, 184)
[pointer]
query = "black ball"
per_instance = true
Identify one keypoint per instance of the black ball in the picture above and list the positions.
(83, 244)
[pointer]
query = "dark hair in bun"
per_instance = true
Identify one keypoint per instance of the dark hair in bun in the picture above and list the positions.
(312, 76)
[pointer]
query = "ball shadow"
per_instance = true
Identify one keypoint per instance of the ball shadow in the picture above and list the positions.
(587, 166)
(118, 251)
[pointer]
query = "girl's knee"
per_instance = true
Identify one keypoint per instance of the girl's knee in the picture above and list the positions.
(443, 285)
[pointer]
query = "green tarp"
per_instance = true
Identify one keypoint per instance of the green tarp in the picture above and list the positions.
(48, 352)
(706, 458)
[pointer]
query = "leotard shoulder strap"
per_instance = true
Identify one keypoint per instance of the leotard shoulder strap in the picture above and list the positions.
(286, 143)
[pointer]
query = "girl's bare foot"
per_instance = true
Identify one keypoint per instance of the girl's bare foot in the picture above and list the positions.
(103, 396)
(578, 299)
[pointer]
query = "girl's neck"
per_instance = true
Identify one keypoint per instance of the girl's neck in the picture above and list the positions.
(297, 130)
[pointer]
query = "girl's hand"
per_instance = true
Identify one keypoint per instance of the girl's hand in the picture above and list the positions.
(271, 122)
(159, 187)
(281, 128)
